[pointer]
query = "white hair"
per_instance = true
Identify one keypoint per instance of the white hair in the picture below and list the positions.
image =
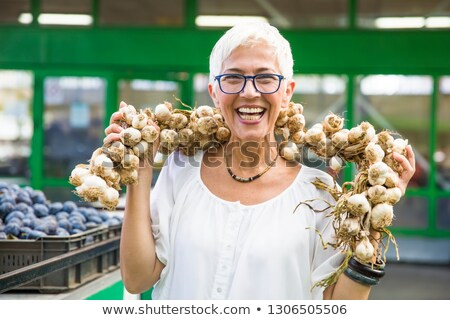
(250, 34)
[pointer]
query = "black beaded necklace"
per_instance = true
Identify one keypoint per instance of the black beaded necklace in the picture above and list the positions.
(250, 179)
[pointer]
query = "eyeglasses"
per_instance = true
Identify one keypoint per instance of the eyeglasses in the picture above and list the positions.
(265, 83)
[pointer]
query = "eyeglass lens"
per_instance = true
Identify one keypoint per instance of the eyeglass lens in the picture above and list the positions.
(264, 83)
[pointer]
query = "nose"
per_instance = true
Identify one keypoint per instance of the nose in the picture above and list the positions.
(249, 89)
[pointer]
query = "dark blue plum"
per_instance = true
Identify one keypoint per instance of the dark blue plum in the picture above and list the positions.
(95, 219)
(55, 207)
(62, 215)
(62, 232)
(25, 232)
(12, 229)
(29, 222)
(75, 231)
(3, 236)
(39, 197)
(4, 185)
(14, 214)
(88, 240)
(91, 225)
(40, 210)
(104, 216)
(64, 223)
(16, 220)
(35, 234)
(7, 197)
(79, 215)
(25, 208)
(5, 208)
(80, 226)
(69, 206)
(113, 222)
(23, 197)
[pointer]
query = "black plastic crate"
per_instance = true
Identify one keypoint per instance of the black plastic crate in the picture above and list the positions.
(16, 254)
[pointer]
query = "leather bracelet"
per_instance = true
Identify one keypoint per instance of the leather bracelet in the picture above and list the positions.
(367, 270)
(360, 278)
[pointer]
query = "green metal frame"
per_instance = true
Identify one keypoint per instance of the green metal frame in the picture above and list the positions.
(160, 53)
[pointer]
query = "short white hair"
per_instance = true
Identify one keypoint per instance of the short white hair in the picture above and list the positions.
(250, 34)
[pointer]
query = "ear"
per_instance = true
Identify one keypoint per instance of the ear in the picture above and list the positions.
(213, 95)
(287, 94)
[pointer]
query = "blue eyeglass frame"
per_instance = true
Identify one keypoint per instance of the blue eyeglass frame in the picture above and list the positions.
(279, 76)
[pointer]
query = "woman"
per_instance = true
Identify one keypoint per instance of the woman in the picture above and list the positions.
(220, 225)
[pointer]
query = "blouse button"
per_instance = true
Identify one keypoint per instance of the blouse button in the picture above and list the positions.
(219, 290)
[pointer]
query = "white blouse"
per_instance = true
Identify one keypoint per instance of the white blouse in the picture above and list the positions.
(217, 249)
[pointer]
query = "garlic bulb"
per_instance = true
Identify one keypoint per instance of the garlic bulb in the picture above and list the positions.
(377, 194)
(128, 176)
(385, 140)
(130, 136)
(294, 108)
(378, 173)
(92, 187)
(399, 146)
(355, 135)
(392, 179)
(78, 174)
(141, 149)
(332, 123)
(374, 152)
(340, 138)
(289, 151)
(110, 198)
(336, 163)
(178, 121)
(163, 112)
(369, 131)
(358, 205)
(364, 250)
(130, 161)
(223, 134)
(168, 136)
(350, 226)
(393, 195)
(149, 134)
(298, 137)
(139, 121)
(115, 151)
(296, 122)
(128, 113)
(315, 135)
(205, 111)
(381, 216)
(207, 125)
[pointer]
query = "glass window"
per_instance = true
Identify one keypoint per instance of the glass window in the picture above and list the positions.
(148, 93)
(141, 13)
(11, 11)
(442, 153)
(398, 14)
(16, 125)
(443, 214)
(411, 213)
(285, 14)
(73, 122)
(201, 95)
(400, 104)
(66, 6)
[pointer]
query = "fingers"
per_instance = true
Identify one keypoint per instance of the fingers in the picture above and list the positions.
(411, 157)
(111, 137)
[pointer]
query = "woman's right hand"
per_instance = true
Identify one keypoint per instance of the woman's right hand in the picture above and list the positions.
(113, 131)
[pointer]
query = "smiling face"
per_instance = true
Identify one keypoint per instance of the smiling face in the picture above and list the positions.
(249, 114)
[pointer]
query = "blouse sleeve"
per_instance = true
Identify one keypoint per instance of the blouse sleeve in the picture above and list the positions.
(326, 259)
(161, 207)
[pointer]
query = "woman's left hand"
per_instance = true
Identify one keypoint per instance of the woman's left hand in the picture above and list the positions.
(409, 167)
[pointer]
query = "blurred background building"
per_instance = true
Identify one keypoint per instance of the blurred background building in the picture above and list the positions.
(65, 65)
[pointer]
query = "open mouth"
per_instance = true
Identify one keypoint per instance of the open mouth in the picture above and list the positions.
(251, 114)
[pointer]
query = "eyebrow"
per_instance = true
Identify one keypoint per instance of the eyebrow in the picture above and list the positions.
(259, 70)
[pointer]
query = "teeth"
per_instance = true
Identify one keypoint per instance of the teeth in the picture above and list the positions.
(250, 110)
(249, 117)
